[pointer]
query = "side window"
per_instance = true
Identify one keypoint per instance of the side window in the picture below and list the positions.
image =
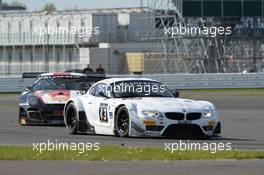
(91, 92)
(103, 88)
(38, 86)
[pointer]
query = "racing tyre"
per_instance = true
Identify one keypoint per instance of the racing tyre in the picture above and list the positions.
(71, 118)
(122, 122)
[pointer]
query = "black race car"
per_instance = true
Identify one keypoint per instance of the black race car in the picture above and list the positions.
(43, 103)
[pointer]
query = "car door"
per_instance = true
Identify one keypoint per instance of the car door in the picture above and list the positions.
(98, 105)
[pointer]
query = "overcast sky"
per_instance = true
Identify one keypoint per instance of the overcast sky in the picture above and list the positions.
(66, 4)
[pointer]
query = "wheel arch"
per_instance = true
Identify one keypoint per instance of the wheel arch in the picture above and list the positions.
(128, 107)
(117, 108)
(65, 107)
(78, 104)
(115, 116)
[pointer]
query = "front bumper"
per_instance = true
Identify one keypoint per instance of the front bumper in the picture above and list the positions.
(51, 114)
(197, 127)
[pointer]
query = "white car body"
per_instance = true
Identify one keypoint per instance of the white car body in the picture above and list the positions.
(98, 114)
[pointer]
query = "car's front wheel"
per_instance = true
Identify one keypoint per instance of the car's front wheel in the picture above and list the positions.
(122, 122)
(71, 118)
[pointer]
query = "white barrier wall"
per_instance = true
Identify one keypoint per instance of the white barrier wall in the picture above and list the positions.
(173, 81)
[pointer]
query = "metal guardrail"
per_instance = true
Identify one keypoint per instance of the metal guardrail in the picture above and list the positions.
(14, 83)
(208, 81)
(173, 81)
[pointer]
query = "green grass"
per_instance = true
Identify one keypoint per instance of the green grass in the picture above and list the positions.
(12, 106)
(222, 92)
(204, 95)
(9, 94)
(121, 153)
(225, 90)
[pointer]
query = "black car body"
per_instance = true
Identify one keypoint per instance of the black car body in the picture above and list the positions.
(43, 103)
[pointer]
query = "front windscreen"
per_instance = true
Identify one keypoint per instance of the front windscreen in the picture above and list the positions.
(63, 83)
(66, 84)
(139, 88)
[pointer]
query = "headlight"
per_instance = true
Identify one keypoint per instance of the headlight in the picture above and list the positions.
(32, 100)
(152, 114)
(208, 114)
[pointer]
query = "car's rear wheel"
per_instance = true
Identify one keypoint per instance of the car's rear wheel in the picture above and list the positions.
(122, 122)
(71, 118)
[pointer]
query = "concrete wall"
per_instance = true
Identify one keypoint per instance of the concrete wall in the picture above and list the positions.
(16, 60)
(111, 62)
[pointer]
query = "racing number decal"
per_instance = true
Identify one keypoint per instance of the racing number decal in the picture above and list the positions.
(103, 113)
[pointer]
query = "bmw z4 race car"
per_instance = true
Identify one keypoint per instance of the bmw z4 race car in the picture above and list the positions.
(139, 107)
(43, 103)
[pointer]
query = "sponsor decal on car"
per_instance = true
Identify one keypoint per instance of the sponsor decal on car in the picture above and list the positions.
(103, 113)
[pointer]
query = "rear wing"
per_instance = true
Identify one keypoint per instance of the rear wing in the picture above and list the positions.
(95, 77)
(74, 71)
(31, 74)
(92, 76)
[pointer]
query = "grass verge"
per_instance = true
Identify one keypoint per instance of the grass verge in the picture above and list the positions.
(224, 90)
(119, 153)
(9, 94)
(12, 106)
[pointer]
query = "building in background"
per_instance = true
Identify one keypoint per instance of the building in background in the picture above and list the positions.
(132, 40)
(11, 6)
(37, 41)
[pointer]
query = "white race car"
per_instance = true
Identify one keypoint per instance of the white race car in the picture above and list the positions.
(139, 107)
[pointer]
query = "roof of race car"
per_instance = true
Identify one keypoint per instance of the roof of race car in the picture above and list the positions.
(113, 80)
(61, 74)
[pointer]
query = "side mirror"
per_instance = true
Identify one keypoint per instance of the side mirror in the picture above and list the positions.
(83, 88)
(28, 88)
(176, 93)
(102, 94)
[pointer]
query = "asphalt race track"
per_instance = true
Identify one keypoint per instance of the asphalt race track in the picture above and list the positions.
(242, 118)
(243, 167)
